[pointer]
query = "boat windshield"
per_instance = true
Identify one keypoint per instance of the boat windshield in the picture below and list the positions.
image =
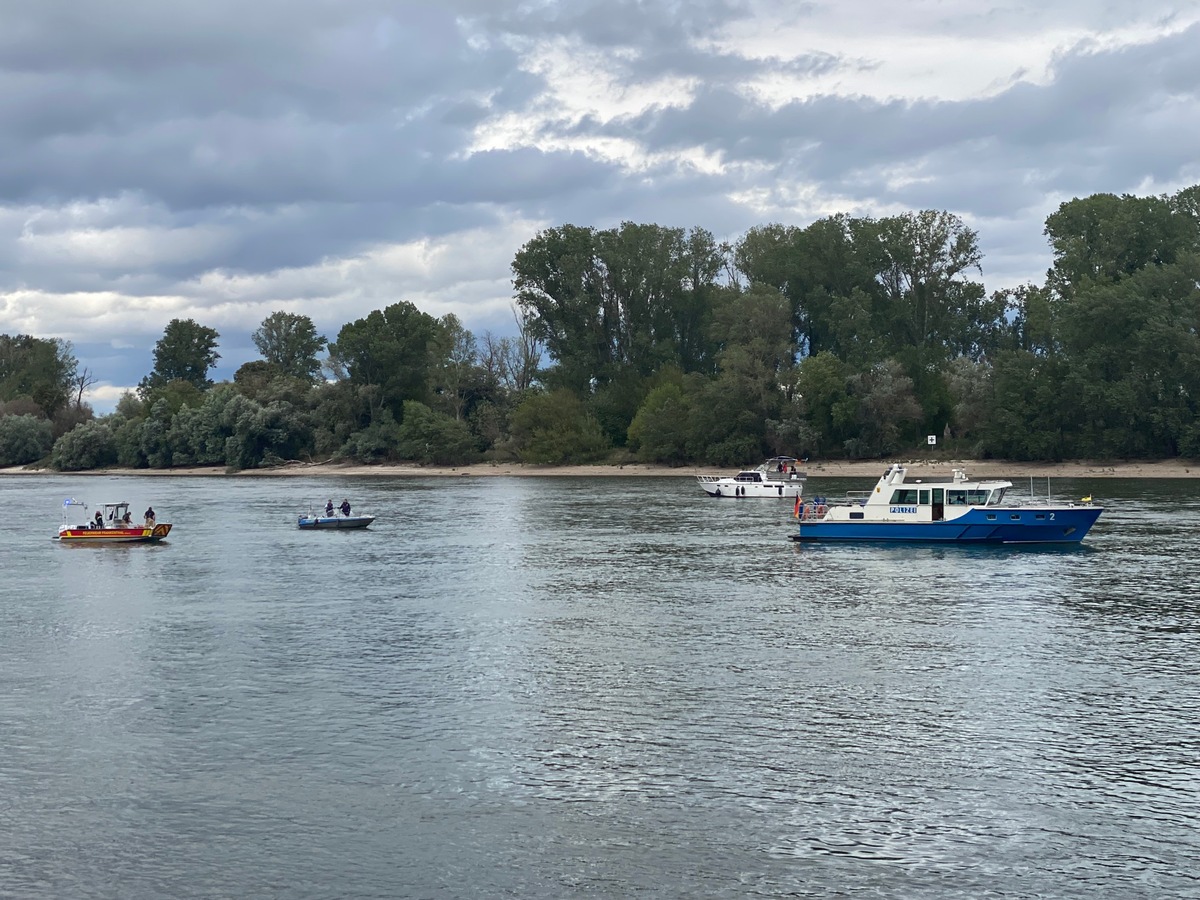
(971, 497)
(115, 512)
(996, 496)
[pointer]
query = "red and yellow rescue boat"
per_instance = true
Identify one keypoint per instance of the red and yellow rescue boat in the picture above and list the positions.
(112, 524)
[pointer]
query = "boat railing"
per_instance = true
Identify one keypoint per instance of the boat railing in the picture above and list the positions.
(1040, 502)
(786, 476)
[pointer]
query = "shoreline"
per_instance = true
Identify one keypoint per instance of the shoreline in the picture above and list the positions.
(866, 469)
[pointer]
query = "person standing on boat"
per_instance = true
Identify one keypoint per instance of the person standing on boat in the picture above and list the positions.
(150, 516)
(345, 507)
(329, 507)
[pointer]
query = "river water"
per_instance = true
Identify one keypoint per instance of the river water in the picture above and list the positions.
(590, 687)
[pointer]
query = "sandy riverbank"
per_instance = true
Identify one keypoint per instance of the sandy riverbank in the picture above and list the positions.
(829, 469)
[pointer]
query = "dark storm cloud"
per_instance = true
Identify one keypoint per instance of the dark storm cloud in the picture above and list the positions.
(228, 156)
(171, 101)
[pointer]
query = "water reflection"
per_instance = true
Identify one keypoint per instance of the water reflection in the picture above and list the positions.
(540, 687)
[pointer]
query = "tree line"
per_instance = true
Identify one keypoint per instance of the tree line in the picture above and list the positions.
(853, 337)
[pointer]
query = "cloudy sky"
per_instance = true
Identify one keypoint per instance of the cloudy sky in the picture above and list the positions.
(223, 160)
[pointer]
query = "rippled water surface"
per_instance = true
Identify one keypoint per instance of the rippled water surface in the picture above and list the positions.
(595, 687)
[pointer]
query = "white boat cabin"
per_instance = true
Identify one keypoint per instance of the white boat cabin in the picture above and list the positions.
(895, 498)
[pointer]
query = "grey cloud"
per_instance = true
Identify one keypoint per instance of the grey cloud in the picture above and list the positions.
(251, 138)
(616, 23)
(1074, 129)
(269, 112)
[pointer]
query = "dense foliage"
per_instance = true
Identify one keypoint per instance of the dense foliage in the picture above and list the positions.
(852, 337)
(37, 373)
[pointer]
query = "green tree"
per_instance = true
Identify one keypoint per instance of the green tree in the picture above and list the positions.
(556, 428)
(185, 352)
(131, 406)
(155, 436)
(827, 407)
(459, 380)
(339, 410)
(1032, 320)
(24, 439)
(1031, 414)
(395, 349)
(815, 269)
(933, 312)
(42, 370)
(970, 386)
(378, 440)
(127, 441)
(90, 446)
(290, 343)
(659, 432)
(1104, 238)
(1134, 346)
(731, 411)
(435, 438)
(252, 378)
(751, 330)
(887, 411)
(604, 302)
(198, 434)
(557, 280)
(1124, 309)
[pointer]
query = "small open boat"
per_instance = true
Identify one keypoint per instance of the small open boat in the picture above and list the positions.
(335, 521)
(112, 524)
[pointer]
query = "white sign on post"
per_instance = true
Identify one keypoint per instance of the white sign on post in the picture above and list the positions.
(931, 440)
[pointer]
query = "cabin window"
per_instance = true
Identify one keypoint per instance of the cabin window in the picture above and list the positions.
(904, 497)
(856, 515)
(956, 497)
(991, 517)
(1040, 516)
(977, 497)
(924, 498)
(1016, 517)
